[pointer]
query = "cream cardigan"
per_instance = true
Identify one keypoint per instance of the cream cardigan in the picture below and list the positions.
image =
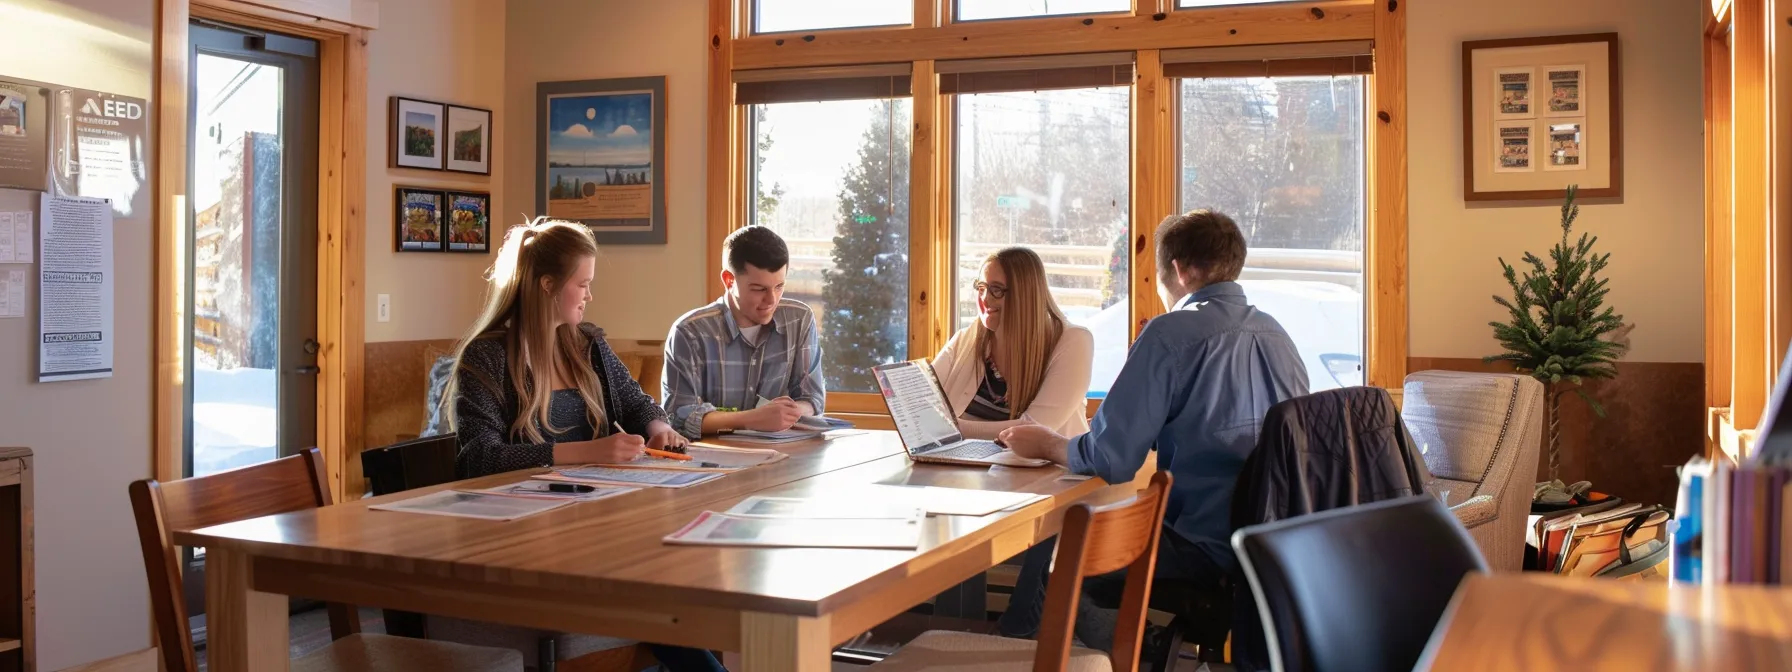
(1060, 404)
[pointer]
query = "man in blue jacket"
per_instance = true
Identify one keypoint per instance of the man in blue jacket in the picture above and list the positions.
(1196, 386)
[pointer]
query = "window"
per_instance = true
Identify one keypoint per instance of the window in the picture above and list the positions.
(1050, 170)
(977, 10)
(775, 16)
(832, 179)
(1187, 4)
(1284, 158)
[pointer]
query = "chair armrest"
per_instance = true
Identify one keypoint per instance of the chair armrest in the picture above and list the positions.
(1478, 510)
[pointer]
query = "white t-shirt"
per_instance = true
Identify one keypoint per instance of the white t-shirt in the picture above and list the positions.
(751, 334)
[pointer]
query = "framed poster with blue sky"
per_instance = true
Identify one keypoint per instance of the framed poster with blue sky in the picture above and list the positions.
(600, 157)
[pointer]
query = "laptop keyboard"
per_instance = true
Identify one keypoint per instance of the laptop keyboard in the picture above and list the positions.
(970, 450)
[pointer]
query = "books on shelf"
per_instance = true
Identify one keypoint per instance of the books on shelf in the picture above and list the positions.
(1732, 523)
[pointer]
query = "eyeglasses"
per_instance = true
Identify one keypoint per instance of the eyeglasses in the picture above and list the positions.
(994, 291)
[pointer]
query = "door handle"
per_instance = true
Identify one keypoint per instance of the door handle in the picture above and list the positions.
(308, 369)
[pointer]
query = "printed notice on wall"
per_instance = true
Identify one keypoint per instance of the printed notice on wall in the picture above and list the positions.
(75, 289)
(12, 294)
(24, 135)
(15, 238)
(101, 147)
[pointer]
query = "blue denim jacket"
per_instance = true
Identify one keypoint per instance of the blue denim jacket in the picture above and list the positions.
(1196, 384)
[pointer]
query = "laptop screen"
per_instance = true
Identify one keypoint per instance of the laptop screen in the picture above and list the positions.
(917, 406)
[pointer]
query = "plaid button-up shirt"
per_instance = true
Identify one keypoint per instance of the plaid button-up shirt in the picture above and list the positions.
(709, 366)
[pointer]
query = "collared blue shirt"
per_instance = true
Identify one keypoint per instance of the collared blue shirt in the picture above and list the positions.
(709, 365)
(1196, 384)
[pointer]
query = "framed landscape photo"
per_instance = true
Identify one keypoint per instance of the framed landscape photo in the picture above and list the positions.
(469, 221)
(418, 219)
(601, 157)
(1539, 114)
(417, 127)
(469, 140)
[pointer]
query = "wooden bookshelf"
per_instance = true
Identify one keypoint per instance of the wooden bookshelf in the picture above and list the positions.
(18, 595)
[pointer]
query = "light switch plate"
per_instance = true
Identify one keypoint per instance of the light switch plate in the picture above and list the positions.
(385, 302)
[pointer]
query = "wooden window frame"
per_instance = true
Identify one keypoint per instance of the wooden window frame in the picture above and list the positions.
(1746, 232)
(1151, 27)
(340, 27)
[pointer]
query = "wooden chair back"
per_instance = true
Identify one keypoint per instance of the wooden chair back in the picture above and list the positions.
(294, 483)
(416, 463)
(1100, 540)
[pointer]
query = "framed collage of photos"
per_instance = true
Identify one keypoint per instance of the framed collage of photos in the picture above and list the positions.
(1540, 114)
(437, 220)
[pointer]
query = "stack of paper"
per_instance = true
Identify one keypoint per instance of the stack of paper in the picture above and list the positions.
(791, 435)
(822, 423)
(726, 529)
(505, 502)
(950, 501)
(708, 457)
(627, 476)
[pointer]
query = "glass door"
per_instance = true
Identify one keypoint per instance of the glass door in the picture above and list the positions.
(252, 289)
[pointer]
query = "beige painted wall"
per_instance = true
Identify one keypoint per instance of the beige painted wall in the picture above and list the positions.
(1655, 234)
(446, 51)
(640, 289)
(92, 437)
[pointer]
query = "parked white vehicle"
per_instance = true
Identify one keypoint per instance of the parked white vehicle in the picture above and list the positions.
(1325, 320)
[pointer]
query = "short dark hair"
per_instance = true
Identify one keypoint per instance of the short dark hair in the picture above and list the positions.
(756, 245)
(1202, 239)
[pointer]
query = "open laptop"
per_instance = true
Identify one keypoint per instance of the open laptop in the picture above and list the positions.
(924, 420)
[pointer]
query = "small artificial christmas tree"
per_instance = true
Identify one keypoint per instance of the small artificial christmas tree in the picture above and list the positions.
(1554, 334)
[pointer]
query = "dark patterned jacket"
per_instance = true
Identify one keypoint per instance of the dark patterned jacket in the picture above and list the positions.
(483, 416)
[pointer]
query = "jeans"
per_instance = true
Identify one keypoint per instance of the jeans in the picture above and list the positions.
(682, 659)
(1177, 559)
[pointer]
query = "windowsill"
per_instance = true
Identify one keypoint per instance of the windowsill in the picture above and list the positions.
(1722, 433)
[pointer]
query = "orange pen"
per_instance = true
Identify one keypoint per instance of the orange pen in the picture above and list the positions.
(667, 454)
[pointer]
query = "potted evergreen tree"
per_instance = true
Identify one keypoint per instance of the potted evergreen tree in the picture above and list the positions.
(1555, 331)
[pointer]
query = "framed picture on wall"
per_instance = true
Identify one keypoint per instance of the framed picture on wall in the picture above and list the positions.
(1539, 114)
(469, 221)
(417, 133)
(418, 219)
(469, 140)
(600, 152)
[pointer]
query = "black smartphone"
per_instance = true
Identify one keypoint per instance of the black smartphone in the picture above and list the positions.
(569, 487)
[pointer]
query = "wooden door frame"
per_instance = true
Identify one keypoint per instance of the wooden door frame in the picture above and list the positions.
(340, 27)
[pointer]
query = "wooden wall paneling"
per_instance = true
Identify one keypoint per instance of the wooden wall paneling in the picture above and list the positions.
(1719, 311)
(1154, 178)
(930, 13)
(1385, 272)
(352, 240)
(929, 242)
(1215, 26)
(171, 235)
(722, 144)
(1752, 157)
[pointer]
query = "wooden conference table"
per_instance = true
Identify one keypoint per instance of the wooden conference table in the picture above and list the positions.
(1544, 622)
(600, 567)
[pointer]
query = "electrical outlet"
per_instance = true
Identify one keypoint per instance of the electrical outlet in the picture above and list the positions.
(385, 301)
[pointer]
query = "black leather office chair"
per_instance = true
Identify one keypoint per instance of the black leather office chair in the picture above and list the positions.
(1355, 588)
(417, 463)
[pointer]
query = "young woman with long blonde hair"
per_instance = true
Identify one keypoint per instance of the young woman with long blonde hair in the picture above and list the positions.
(534, 385)
(1021, 361)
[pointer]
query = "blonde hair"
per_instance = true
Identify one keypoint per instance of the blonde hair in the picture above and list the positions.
(1031, 326)
(521, 315)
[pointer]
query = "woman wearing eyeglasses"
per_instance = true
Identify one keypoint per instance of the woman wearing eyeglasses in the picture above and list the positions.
(1022, 361)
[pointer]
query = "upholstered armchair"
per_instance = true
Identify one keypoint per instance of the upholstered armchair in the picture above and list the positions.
(1480, 433)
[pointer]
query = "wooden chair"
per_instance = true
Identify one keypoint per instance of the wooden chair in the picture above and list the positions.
(288, 484)
(1095, 541)
(420, 463)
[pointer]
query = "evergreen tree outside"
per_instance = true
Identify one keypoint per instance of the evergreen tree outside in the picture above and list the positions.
(865, 293)
(1557, 318)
